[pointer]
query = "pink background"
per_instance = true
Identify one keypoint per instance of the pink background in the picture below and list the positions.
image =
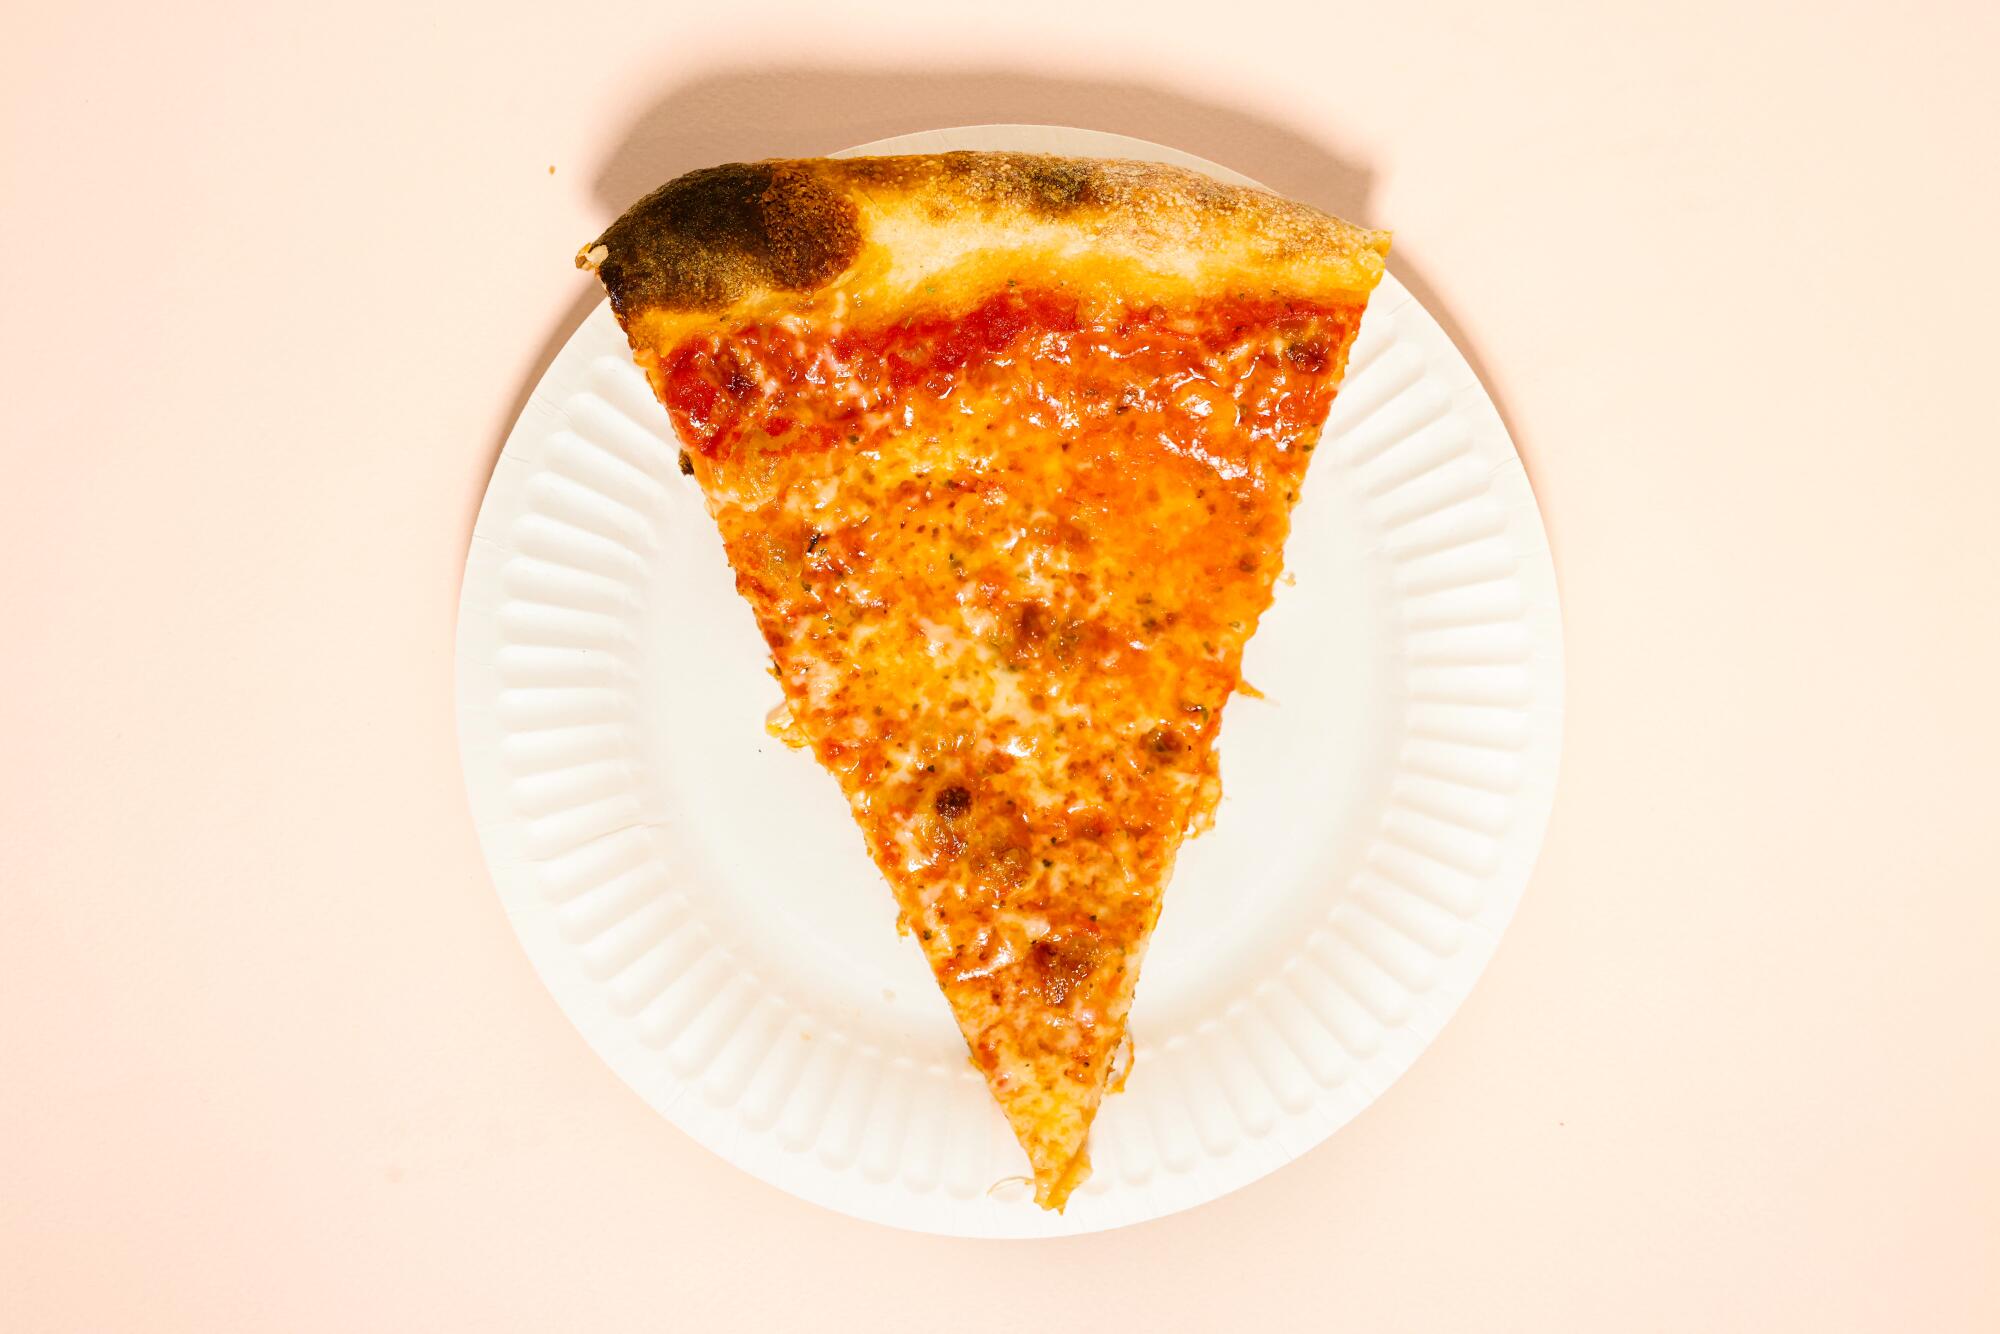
(276, 280)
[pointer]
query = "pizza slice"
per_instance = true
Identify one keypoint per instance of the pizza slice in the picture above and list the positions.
(1003, 449)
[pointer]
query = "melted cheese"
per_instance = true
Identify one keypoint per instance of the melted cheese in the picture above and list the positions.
(1006, 559)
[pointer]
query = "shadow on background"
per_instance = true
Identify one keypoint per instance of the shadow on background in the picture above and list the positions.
(734, 116)
(745, 114)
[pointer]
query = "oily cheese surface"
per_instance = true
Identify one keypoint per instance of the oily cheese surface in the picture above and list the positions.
(934, 520)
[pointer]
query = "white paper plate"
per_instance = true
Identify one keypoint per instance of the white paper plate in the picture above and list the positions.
(698, 900)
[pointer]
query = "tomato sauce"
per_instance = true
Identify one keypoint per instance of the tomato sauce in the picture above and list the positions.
(802, 390)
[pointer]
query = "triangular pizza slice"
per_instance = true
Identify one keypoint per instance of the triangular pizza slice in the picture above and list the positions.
(1003, 449)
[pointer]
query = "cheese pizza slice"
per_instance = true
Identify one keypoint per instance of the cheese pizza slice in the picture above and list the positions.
(1003, 449)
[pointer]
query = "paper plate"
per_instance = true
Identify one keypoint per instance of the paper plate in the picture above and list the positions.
(699, 902)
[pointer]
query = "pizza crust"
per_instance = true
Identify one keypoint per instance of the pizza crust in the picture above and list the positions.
(895, 231)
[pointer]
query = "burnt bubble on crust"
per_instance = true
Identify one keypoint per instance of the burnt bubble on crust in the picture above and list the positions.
(702, 240)
(1057, 185)
(1037, 184)
(1045, 186)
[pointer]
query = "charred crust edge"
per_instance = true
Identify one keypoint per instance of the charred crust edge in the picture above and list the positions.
(702, 240)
